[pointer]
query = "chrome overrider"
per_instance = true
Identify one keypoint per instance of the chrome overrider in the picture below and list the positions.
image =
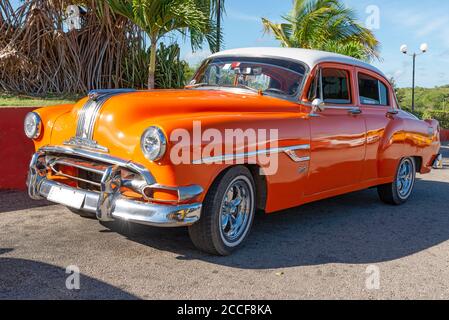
(109, 204)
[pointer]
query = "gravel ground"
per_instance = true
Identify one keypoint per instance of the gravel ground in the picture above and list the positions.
(324, 250)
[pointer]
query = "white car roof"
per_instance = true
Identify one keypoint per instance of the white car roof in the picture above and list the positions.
(310, 57)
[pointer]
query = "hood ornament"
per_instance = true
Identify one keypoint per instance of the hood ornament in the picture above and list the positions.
(86, 144)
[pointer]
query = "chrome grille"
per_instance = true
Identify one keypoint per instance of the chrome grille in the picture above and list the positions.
(89, 173)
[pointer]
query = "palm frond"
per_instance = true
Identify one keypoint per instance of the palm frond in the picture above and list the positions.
(325, 25)
(282, 32)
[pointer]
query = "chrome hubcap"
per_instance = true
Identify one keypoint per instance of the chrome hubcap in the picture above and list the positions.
(405, 178)
(236, 211)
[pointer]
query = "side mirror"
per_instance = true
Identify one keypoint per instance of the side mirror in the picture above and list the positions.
(392, 112)
(318, 106)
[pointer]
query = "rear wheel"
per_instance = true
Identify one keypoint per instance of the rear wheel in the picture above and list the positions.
(400, 190)
(227, 214)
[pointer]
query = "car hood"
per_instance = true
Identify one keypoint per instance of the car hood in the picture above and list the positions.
(161, 102)
(120, 121)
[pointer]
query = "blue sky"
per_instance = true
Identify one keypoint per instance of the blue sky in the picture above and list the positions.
(410, 22)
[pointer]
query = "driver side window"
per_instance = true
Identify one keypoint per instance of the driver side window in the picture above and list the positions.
(335, 86)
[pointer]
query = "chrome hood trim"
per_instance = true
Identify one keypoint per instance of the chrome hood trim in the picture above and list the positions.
(87, 118)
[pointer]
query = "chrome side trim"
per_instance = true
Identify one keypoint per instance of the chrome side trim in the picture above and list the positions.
(149, 179)
(229, 157)
(333, 107)
(292, 154)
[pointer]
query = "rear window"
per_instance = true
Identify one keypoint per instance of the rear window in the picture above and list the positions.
(372, 91)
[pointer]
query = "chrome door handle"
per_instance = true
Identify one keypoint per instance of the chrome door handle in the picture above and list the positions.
(355, 111)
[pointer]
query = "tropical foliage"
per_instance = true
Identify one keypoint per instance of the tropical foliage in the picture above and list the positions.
(38, 55)
(426, 98)
(440, 115)
(324, 25)
(429, 103)
(193, 18)
(170, 69)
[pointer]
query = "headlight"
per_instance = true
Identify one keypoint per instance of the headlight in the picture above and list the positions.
(153, 143)
(33, 125)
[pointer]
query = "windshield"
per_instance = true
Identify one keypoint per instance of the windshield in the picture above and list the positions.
(276, 77)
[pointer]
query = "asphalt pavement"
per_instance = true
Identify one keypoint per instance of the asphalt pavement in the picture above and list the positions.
(350, 247)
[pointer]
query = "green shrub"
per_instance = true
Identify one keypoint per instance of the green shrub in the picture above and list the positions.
(170, 69)
(418, 112)
(440, 115)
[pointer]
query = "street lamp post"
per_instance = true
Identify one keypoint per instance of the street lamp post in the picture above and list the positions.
(404, 49)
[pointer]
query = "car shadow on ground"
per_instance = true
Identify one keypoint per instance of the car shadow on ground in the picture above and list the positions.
(19, 200)
(351, 229)
(26, 279)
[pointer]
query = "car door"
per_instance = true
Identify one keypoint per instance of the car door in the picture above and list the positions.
(376, 99)
(338, 133)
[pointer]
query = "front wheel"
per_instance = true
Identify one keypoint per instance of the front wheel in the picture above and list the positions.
(227, 214)
(400, 190)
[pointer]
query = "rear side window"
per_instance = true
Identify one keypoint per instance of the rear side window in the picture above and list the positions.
(335, 86)
(372, 91)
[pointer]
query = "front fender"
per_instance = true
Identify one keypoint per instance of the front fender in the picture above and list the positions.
(50, 116)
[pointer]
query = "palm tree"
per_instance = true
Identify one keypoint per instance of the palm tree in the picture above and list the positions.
(159, 17)
(324, 25)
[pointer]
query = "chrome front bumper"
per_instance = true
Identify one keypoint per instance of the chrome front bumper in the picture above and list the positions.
(109, 204)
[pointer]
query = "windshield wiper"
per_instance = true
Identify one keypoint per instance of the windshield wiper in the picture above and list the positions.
(247, 88)
(198, 85)
(205, 84)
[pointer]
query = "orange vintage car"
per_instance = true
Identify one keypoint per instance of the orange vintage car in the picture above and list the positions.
(256, 129)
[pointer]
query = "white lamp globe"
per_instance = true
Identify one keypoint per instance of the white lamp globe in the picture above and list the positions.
(424, 47)
(404, 49)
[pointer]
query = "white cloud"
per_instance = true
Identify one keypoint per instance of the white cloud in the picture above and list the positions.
(234, 15)
(423, 23)
(195, 58)
(396, 75)
(433, 26)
